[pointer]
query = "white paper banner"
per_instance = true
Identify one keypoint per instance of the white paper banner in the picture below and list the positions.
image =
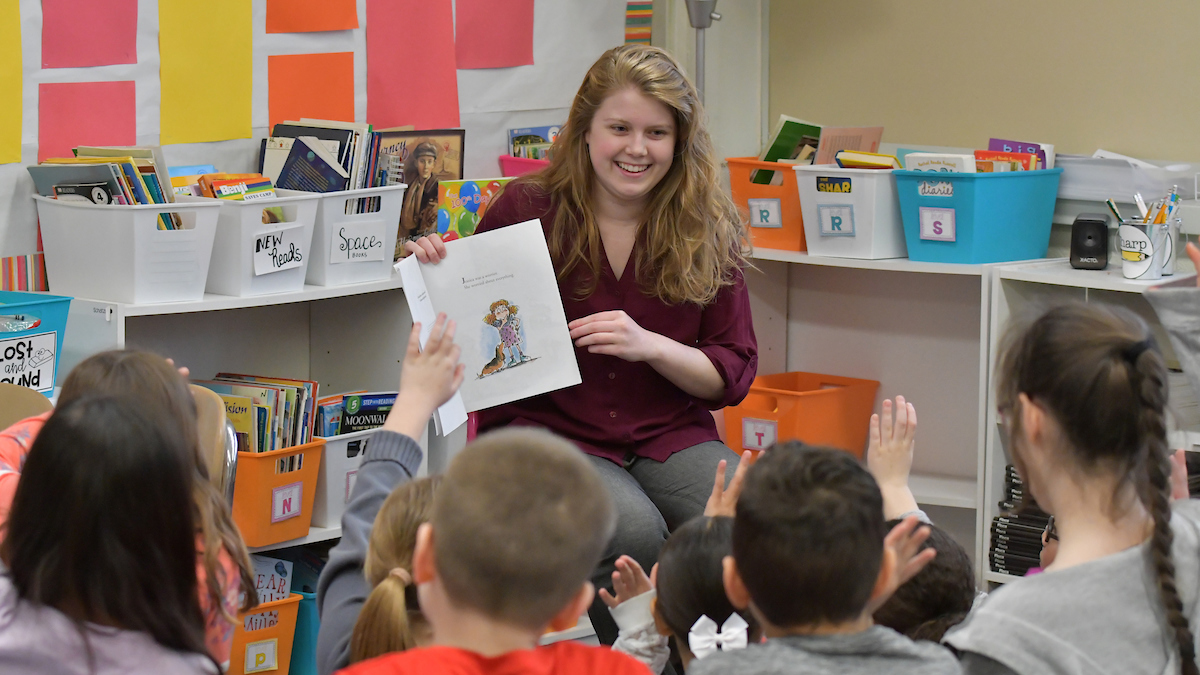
(278, 250)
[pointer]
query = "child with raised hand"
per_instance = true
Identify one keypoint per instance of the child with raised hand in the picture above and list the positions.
(391, 619)
(100, 556)
(1082, 392)
(222, 565)
(428, 378)
(812, 563)
(517, 526)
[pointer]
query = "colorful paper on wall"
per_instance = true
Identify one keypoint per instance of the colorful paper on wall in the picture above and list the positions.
(205, 64)
(639, 17)
(85, 113)
(10, 81)
(23, 273)
(493, 33)
(411, 73)
(318, 86)
(86, 33)
(309, 16)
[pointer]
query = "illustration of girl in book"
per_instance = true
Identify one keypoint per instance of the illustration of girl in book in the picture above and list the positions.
(503, 317)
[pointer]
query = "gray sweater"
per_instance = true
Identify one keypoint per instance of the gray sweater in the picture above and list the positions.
(1102, 617)
(389, 460)
(875, 650)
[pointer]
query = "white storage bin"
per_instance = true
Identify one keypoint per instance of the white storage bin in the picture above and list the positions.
(117, 253)
(850, 213)
(332, 264)
(243, 264)
(339, 466)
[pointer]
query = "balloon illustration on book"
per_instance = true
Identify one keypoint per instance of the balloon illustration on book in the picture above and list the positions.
(506, 346)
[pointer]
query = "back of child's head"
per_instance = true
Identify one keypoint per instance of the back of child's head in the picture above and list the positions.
(938, 598)
(1098, 373)
(148, 378)
(102, 523)
(519, 525)
(808, 535)
(690, 577)
(390, 619)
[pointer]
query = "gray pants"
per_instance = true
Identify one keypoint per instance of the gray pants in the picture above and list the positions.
(652, 499)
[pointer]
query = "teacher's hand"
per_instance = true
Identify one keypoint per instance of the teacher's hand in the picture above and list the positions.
(427, 249)
(616, 334)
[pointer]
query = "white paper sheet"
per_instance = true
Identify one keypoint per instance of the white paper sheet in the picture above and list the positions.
(452, 413)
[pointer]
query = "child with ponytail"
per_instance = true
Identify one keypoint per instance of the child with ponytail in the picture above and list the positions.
(1082, 394)
(390, 620)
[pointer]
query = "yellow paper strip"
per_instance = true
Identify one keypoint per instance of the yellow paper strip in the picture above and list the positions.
(10, 81)
(205, 56)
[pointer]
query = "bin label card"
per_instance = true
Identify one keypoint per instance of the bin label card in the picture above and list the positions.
(937, 224)
(28, 361)
(351, 478)
(765, 213)
(285, 501)
(262, 656)
(758, 434)
(928, 188)
(279, 250)
(833, 184)
(837, 220)
(357, 242)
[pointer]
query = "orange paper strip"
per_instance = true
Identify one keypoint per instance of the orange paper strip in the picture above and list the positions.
(311, 85)
(310, 16)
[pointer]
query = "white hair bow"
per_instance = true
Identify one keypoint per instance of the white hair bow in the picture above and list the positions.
(703, 638)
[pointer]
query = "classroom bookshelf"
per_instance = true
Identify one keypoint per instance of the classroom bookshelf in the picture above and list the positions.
(344, 337)
(1018, 288)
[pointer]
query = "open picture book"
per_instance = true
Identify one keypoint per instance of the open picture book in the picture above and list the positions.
(500, 289)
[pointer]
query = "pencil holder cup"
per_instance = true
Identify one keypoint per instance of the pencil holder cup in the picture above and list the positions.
(1144, 249)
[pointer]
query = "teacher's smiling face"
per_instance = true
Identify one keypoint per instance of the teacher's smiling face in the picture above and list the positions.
(631, 143)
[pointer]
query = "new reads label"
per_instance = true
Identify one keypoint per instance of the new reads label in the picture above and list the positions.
(357, 242)
(279, 250)
(29, 361)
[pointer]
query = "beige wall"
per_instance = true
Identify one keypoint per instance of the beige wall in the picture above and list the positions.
(1078, 74)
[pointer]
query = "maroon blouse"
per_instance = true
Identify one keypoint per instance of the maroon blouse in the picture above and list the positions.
(622, 407)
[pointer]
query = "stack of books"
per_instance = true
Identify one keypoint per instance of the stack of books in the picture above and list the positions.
(108, 175)
(794, 141)
(1001, 156)
(1016, 544)
(323, 156)
(268, 413)
(353, 411)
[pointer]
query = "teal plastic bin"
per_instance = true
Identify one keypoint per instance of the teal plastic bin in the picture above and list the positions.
(977, 218)
(32, 326)
(304, 646)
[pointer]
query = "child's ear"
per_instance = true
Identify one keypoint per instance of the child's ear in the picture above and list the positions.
(660, 624)
(569, 616)
(424, 563)
(887, 570)
(735, 589)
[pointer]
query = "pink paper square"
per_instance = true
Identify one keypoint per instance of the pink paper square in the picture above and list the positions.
(85, 33)
(85, 113)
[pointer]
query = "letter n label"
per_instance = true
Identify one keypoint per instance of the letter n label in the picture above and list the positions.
(285, 501)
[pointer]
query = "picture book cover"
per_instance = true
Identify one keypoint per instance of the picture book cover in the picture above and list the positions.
(938, 161)
(500, 289)
(789, 138)
(424, 158)
(1027, 160)
(272, 578)
(1044, 151)
(365, 411)
(462, 203)
(312, 168)
(833, 139)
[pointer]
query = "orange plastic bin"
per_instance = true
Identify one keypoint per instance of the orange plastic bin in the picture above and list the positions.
(267, 648)
(273, 493)
(774, 210)
(817, 409)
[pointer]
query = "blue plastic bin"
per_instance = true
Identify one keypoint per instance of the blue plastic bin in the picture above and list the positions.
(304, 646)
(30, 357)
(977, 217)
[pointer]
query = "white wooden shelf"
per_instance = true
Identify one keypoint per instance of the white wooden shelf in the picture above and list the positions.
(1058, 272)
(886, 264)
(931, 490)
(315, 534)
(213, 302)
(998, 578)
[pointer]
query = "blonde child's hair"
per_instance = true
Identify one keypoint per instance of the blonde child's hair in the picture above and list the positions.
(390, 619)
(519, 524)
(691, 239)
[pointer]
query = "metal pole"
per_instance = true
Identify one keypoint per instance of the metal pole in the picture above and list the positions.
(700, 63)
(701, 16)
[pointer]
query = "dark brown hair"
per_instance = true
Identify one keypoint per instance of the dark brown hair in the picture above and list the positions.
(102, 527)
(148, 378)
(938, 598)
(1098, 373)
(808, 535)
(519, 524)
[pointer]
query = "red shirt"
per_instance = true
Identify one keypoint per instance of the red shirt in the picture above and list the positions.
(624, 407)
(560, 658)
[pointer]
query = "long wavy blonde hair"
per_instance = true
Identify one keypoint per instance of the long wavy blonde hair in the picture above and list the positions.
(690, 240)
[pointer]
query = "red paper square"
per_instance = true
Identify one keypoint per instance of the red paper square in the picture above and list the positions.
(493, 33)
(85, 113)
(85, 33)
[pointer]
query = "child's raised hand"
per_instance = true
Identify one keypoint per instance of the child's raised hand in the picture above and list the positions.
(890, 455)
(629, 581)
(1179, 476)
(428, 249)
(723, 500)
(427, 378)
